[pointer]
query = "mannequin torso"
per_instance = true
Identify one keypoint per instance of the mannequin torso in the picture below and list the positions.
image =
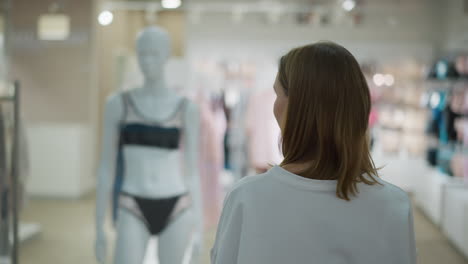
(154, 172)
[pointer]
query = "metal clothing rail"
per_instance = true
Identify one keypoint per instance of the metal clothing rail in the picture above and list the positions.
(14, 173)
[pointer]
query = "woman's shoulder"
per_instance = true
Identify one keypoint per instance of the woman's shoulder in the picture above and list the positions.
(248, 180)
(386, 191)
(247, 184)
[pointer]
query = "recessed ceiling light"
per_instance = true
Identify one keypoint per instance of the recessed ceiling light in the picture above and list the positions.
(171, 4)
(105, 18)
(348, 5)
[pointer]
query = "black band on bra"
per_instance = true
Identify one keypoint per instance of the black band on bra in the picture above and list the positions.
(151, 136)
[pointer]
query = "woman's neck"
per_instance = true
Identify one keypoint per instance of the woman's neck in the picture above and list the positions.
(297, 167)
(301, 169)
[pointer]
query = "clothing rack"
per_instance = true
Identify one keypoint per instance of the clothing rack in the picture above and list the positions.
(11, 250)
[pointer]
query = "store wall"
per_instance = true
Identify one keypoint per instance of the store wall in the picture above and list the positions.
(114, 43)
(174, 23)
(55, 74)
(59, 108)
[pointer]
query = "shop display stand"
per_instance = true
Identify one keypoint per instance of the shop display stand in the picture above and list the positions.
(429, 194)
(454, 222)
(10, 248)
(443, 195)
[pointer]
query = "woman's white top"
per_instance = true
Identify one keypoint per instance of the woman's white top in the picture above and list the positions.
(282, 218)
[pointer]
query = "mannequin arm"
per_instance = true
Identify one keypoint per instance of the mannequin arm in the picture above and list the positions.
(192, 121)
(112, 115)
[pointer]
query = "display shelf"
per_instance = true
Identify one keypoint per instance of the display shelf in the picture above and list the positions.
(464, 245)
(455, 216)
(429, 193)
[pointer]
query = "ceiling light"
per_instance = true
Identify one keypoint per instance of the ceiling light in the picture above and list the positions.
(389, 80)
(105, 18)
(171, 4)
(348, 5)
(379, 79)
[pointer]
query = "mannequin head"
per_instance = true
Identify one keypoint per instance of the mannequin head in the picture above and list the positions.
(153, 51)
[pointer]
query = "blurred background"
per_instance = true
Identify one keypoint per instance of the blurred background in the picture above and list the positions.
(68, 56)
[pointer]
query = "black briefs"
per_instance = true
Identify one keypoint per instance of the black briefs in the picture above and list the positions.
(156, 214)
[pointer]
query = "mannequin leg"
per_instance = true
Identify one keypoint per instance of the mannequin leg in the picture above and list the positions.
(132, 239)
(173, 242)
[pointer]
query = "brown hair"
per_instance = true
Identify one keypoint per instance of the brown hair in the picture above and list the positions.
(327, 116)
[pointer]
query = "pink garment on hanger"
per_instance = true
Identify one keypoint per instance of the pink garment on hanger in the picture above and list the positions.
(457, 100)
(464, 86)
(263, 132)
(373, 117)
(461, 64)
(465, 156)
(457, 165)
(210, 162)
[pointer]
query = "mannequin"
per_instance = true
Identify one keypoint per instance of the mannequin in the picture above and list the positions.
(151, 174)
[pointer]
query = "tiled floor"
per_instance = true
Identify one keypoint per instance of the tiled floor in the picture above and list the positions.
(68, 236)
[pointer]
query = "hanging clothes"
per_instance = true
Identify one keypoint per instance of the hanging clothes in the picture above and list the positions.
(373, 117)
(457, 165)
(437, 127)
(450, 117)
(263, 131)
(448, 136)
(238, 138)
(463, 85)
(221, 117)
(465, 151)
(211, 159)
